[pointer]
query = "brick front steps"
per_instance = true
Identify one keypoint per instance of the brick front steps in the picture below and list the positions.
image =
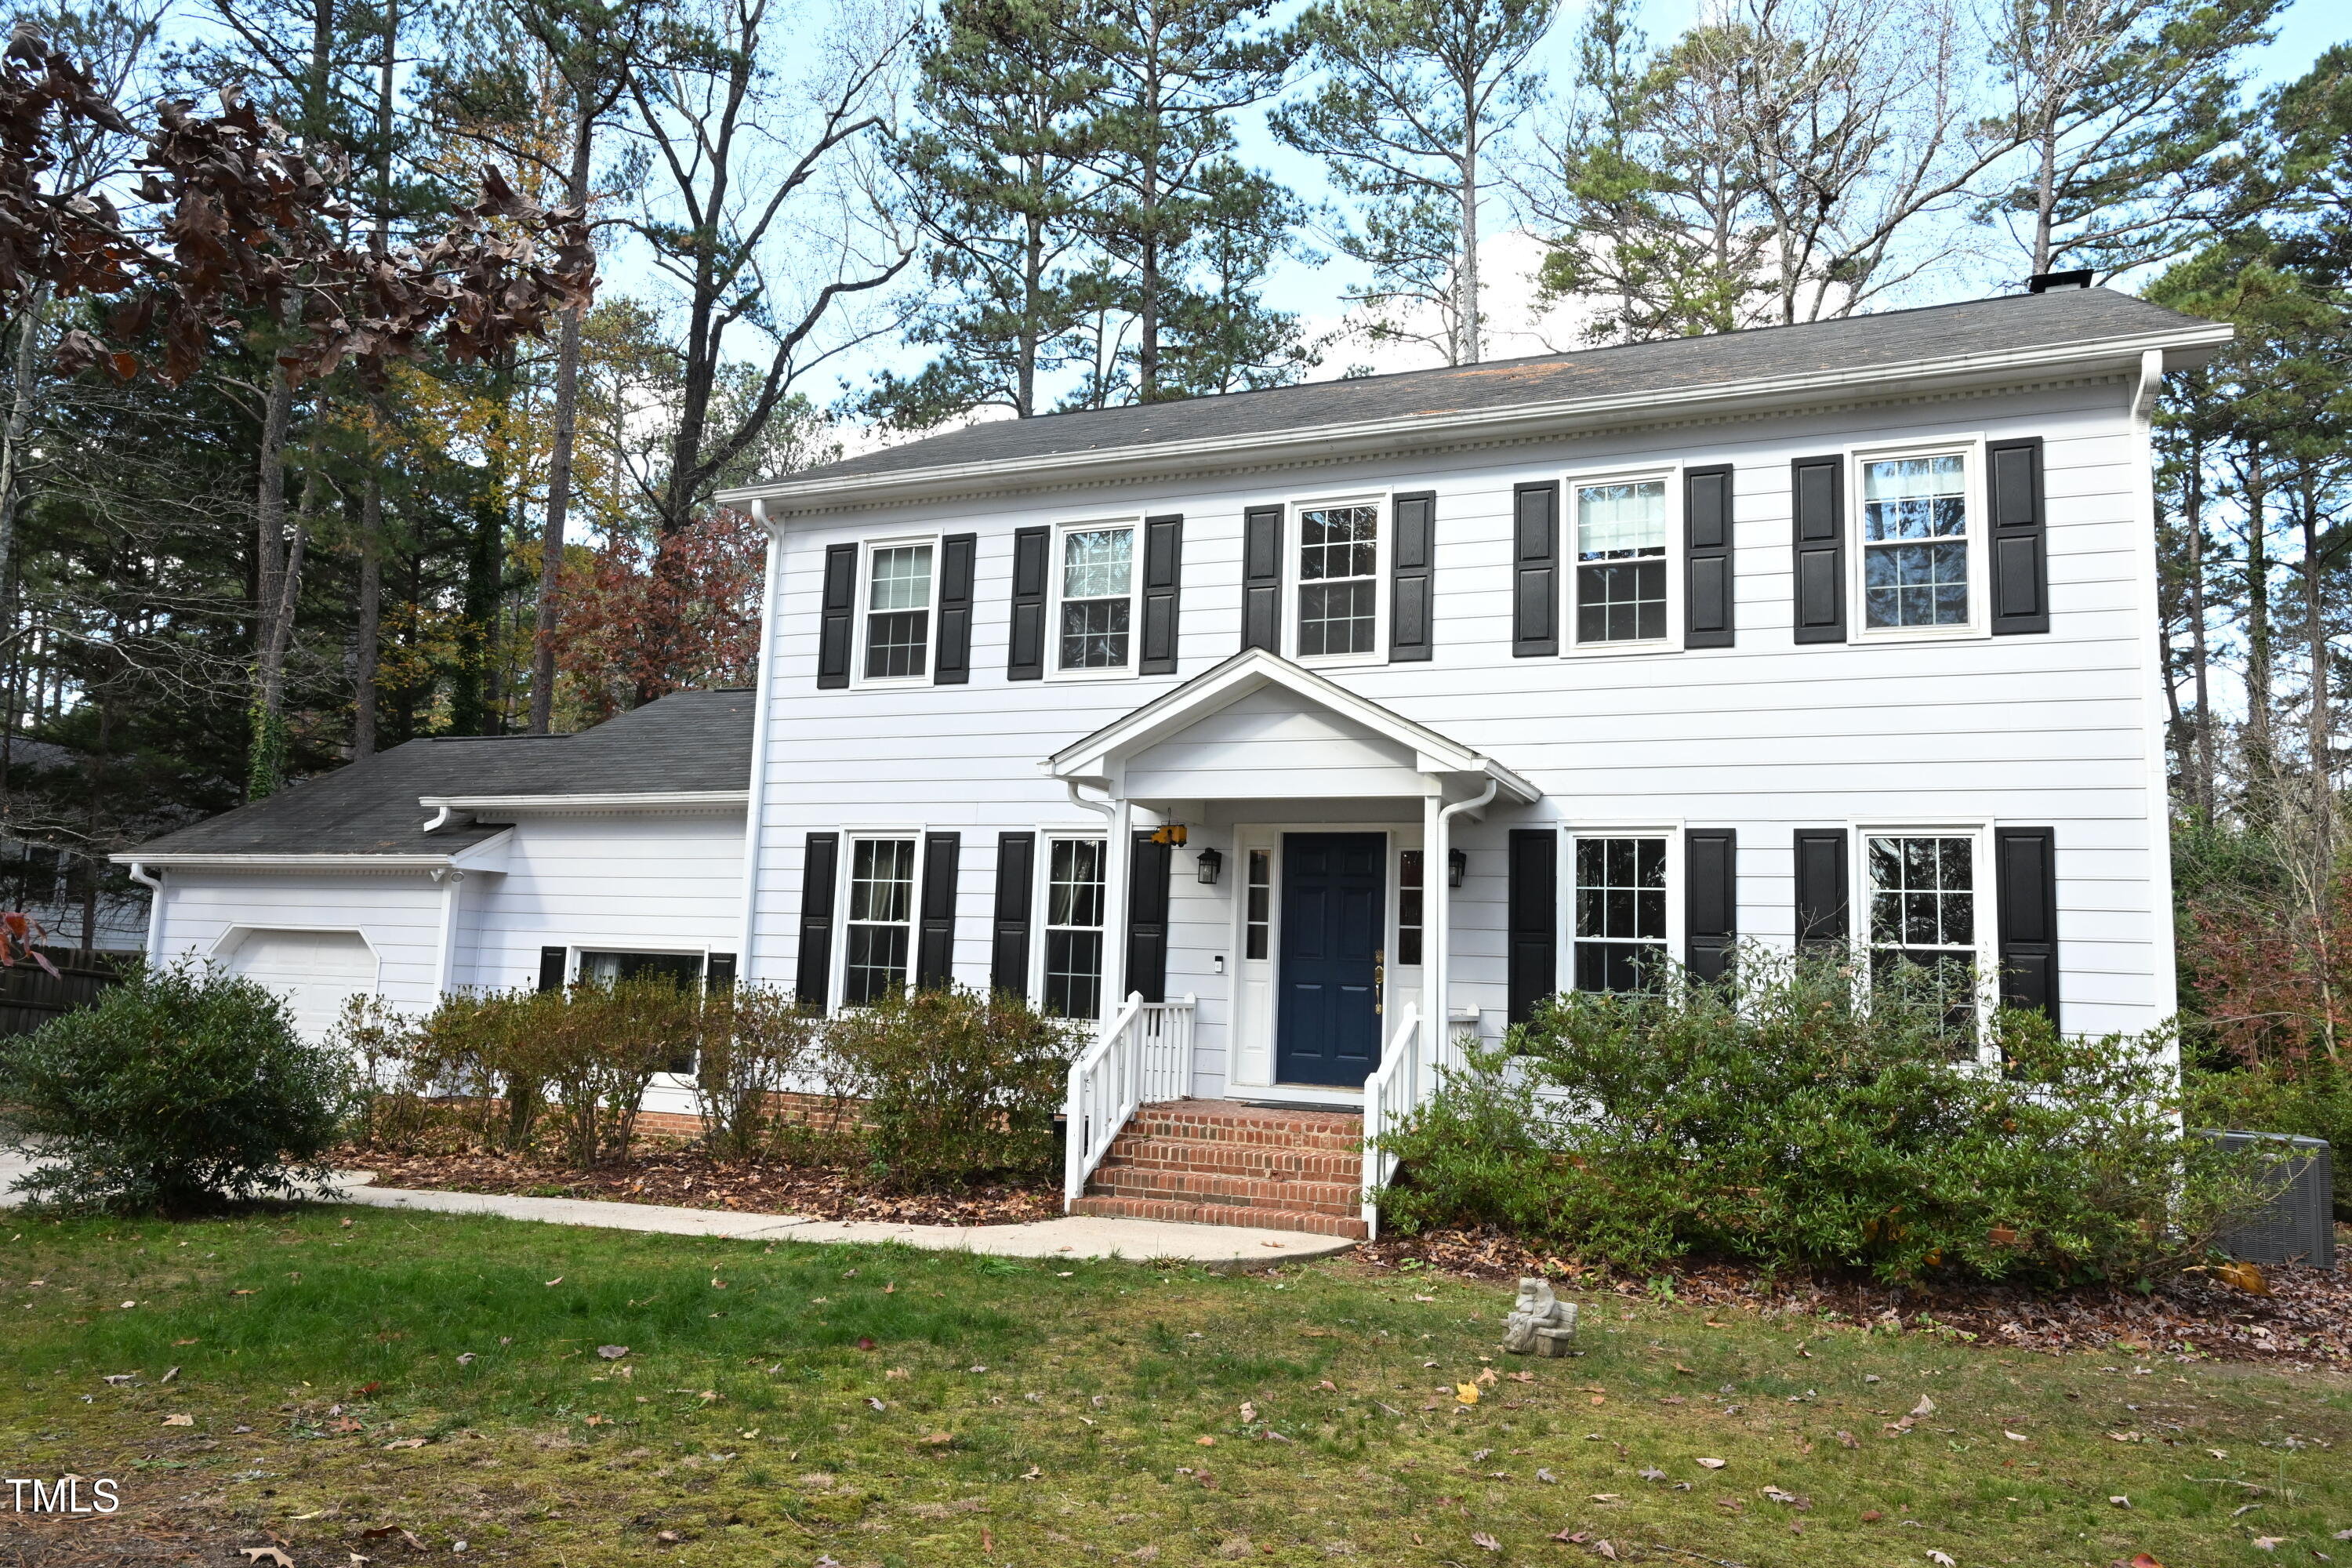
(1216, 1162)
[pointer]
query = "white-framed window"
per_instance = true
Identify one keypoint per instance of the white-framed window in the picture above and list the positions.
(1076, 893)
(881, 923)
(1620, 906)
(1337, 605)
(1411, 910)
(1622, 586)
(1920, 566)
(1927, 901)
(1098, 582)
(898, 591)
(1257, 913)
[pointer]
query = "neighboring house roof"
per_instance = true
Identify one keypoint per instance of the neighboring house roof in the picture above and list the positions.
(689, 742)
(1816, 355)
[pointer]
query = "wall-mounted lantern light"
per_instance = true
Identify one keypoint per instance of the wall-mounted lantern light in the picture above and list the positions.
(1210, 864)
(1457, 865)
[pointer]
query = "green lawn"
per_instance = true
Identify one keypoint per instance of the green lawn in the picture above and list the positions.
(1021, 1414)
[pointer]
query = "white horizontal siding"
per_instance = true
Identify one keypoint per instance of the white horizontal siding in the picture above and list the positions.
(1767, 737)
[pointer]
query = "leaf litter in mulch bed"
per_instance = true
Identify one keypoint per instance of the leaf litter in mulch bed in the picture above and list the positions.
(686, 1178)
(2307, 1319)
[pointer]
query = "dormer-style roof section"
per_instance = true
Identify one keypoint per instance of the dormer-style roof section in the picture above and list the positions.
(1260, 726)
(1982, 342)
(688, 744)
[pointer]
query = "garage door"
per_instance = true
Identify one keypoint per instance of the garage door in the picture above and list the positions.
(314, 971)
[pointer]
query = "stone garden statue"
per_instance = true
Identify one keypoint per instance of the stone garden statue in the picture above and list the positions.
(1541, 1324)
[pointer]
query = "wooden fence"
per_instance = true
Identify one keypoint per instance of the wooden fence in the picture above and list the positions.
(30, 996)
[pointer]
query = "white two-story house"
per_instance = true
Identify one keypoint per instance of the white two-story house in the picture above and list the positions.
(1312, 717)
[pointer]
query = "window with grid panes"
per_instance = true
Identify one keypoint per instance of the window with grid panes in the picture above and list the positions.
(1338, 580)
(1074, 928)
(1915, 543)
(898, 611)
(1621, 561)
(1621, 913)
(1098, 603)
(881, 918)
(1257, 914)
(1409, 906)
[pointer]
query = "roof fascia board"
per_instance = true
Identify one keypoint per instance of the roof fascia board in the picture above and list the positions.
(295, 862)
(2180, 348)
(644, 800)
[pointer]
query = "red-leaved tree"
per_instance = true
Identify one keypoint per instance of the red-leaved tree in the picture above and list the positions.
(680, 614)
(2274, 976)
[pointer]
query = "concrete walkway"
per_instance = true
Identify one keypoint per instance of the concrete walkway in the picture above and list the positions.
(1076, 1237)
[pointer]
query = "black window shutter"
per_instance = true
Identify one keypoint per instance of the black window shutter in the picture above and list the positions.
(719, 972)
(935, 944)
(1031, 548)
(840, 615)
(1147, 921)
(1163, 573)
(814, 979)
(2025, 867)
(953, 665)
(1821, 888)
(1711, 899)
(1262, 578)
(1411, 610)
(2020, 537)
(1706, 557)
(1535, 571)
(552, 962)
(1008, 954)
(1817, 491)
(1534, 901)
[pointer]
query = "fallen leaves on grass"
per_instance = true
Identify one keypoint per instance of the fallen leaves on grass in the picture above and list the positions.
(179, 1420)
(611, 1352)
(1712, 1464)
(1484, 1542)
(269, 1554)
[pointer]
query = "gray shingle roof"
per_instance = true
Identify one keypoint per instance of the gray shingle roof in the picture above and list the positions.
(1892, 338)
(686, 742)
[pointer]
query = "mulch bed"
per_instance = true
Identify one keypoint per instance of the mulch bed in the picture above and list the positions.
(684, 1177)
(2304, 1321)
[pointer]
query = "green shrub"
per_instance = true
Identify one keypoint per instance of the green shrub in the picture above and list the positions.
(958, 1087)
(1798, 1117)
(2312, 1098)
(496, 1053)
(604, 1044)
(177, 1091)
(755, 1040)
(392, 1106)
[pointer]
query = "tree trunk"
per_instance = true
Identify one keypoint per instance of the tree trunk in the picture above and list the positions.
(2319, 713)
(1466, 277)
(266, 760)
(371, 605)
(559, 462)
(2259, 747)
(12, 442)
(2198, 655)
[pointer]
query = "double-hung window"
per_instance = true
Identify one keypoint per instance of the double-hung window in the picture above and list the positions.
(1924, 912)
(1338, 580)
(1075, 899)
(900, 585)
(1620, 576)
(1621, 911)
(1097, 581)
(1918, 567)
(881, 919)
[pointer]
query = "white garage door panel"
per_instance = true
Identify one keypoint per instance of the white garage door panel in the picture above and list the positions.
(314, 971)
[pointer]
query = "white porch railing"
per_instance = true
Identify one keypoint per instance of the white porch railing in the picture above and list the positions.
(1391, 1095)
(1144, 1055)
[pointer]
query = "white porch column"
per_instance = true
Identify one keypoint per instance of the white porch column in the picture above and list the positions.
(1118, 874)
(1436, 933)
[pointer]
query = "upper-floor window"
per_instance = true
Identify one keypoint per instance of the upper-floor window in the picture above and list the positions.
(900, 583)
(1620, 582)
(1097, 581)
(1915, 559)
(1338, 580)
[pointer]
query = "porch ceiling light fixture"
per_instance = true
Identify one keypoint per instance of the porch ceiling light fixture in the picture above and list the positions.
(1210, 864)
(1457, 865)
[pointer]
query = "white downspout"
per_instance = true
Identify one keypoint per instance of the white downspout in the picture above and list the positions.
(154, 885)
(444, 968)
(2164, 981)
(1116, 816)
(753, 812)
(1441, 870)
(437, 821)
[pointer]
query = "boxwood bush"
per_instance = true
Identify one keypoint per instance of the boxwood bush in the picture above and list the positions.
(1805, 1114)
(179, 1091)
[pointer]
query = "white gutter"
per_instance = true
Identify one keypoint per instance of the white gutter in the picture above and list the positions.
(1449, 427)
(292, 862)
(642, 800)
(753, 816)
(1437, 867)
(154, 907)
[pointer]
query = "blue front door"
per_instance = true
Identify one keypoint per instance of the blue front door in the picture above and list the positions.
(1334, 910)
